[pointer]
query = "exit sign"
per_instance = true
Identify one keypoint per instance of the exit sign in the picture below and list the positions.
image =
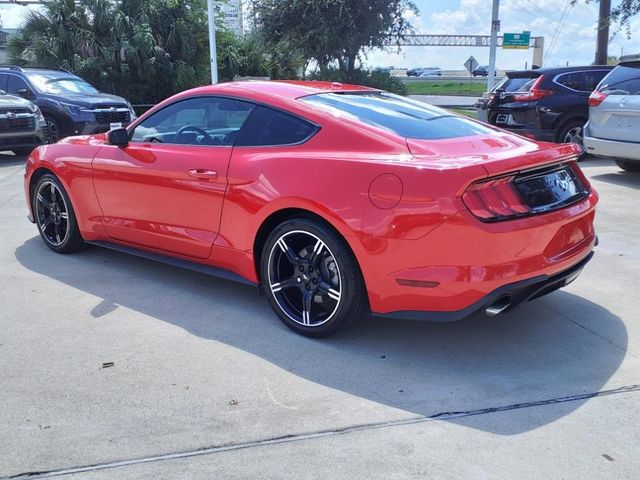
(516, 40)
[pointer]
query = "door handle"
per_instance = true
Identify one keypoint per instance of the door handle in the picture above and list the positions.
(205, 174)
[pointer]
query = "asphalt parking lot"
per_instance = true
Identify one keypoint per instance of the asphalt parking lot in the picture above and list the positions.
(114, 367)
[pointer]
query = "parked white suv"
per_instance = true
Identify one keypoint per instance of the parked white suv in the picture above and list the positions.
(613, 129)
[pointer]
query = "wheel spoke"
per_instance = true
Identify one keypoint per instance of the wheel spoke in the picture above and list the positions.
(64, 215)
(44, 202)
(291, 255)
(276, 287)
(57, 231)
(46, 223)
(317, 250)
(307, 301)
(53, 194)
(331, 292)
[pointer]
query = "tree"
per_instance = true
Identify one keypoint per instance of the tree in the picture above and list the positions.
(144, 50)
(332, 30)
(622, 13)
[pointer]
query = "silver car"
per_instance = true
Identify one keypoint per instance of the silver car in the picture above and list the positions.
(613, 129)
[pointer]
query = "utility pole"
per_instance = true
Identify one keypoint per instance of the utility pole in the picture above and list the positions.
(495, 27)
(213, 56)
(604, 19)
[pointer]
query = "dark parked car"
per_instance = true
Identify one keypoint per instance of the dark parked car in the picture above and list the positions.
(482, 71)
(549, 104)
(22, 126)
(70, 105)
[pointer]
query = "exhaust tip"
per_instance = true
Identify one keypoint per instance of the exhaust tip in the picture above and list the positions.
(498, 306)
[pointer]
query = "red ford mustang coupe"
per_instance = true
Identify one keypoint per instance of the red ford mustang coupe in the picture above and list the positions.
(336, 199)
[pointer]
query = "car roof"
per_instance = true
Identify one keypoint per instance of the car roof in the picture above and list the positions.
(557, 70)
(280, 89)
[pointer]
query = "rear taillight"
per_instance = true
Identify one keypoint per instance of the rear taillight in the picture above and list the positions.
(596, 98)
(494, 199)
(525, 193)
(534, 93)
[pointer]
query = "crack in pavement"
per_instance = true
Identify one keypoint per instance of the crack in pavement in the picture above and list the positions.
(318, 434)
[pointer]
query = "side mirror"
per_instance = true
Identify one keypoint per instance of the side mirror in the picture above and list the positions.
(118, 137)
(26, 93)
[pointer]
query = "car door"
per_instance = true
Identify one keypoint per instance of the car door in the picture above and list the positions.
(166, 188)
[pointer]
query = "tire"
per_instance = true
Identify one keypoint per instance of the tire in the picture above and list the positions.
(572, 132)
(303, 259)
(55, 217)
(53, 129)
(628, 165)
(23, 152)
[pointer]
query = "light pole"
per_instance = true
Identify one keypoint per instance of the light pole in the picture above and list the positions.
(495, 27)
(213, 57)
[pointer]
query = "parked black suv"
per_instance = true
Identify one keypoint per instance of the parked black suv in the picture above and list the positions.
(70, 105)
(549, 104)
(22, 126)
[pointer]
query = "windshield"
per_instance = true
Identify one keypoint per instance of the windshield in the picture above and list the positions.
(402, 116)
(60, 83)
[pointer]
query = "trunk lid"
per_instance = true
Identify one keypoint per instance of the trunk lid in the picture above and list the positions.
(496, 153)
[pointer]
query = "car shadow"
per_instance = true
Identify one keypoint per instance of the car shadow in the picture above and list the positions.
(535, 353)
(7, 159)
(622, 178)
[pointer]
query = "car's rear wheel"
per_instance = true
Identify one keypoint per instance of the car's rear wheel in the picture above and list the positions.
(628, 165)
(572, 132)
(312, 279)
(54, 216)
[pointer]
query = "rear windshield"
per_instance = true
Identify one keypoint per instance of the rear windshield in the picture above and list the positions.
(402, 116)
(519, 84)
(621, 81)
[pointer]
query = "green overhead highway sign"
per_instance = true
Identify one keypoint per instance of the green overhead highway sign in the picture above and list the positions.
(516, 40)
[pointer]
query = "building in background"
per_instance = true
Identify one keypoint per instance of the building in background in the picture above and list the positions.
(231, 11)
(5, 33)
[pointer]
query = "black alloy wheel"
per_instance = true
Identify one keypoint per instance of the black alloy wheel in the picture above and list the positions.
(55, 217)
(312, 279)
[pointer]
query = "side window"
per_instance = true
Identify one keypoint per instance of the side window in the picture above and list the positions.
(3, 82)
(15, 84)
(195, 121)
(267, 126)
(592, 79)
(574, 81)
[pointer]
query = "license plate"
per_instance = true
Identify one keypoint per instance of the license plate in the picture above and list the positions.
(502, 118)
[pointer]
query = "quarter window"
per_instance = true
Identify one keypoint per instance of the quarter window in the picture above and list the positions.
(196, 121)
(269, 127)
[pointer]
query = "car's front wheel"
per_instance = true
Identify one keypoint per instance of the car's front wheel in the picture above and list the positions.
(312, 279)
(54, 216)
(629, 166)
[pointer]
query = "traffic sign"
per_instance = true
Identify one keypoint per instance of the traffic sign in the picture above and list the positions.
(516, 40)
(471, 64)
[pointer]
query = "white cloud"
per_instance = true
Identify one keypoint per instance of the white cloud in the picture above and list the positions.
(575, 42)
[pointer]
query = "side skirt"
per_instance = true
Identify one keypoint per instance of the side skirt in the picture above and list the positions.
(176, 262)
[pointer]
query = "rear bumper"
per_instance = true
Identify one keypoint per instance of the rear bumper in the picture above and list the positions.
(611, 148)
(502, 299)
(535, 133)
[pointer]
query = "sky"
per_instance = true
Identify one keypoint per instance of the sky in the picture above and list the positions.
(572, 41)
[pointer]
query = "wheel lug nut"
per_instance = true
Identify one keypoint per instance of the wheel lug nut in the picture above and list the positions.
(301, 268)
(306, 287)
(299, 279)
